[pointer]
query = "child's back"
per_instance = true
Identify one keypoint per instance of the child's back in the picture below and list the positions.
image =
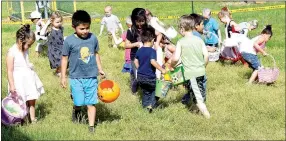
(192, 56)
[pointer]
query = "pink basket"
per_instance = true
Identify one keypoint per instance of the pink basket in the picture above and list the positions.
(268, 75)
(7, 117)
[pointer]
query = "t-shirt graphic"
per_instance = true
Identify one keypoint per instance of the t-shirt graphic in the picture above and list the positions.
(85, 54)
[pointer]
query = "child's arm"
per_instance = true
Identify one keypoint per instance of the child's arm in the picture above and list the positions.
(205, 53)
(157, 66)
(120, 25)
(256, 45)
(45, 27)
(136, 62)
(128, 44)
(102, 26)
(10, 69)
(64, 64)
(177, 55)
(98, 62)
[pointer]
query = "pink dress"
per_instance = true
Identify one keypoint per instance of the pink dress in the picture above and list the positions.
(127, 65)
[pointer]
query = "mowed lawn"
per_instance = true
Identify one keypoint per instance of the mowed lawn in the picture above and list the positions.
(238, 111)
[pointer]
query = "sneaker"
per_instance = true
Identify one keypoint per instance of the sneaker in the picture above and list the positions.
(117, 42)
(34, 121)
(114, 46)
(203, 108)
(91, 129)
(149, 109)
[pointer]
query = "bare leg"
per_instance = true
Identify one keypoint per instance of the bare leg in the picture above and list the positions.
(91, 113)
(31, 105)
(253, 76)
(116, 41)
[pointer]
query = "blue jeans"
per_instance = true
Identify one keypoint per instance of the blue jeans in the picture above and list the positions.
(148, 86)
(201, 84)
(251, 59)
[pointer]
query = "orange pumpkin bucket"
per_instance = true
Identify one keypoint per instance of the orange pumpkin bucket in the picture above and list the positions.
(108, 91)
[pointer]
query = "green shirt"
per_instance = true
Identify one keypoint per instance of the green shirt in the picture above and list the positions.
(192, 56)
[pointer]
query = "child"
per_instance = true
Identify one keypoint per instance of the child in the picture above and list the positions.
(198, 31)
(55, 41)
(248, 26)
(80, 52)
(127, 65)
(211, 30)
(112, 22)
(230, 26)
(133, 41)
(145, 62)
(22, 79)
(199, 25)
(35, 17)
(194, 56)
(257, 45)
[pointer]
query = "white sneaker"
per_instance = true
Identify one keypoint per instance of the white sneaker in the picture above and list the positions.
(114, 46)
(117, 42)
(203, 108)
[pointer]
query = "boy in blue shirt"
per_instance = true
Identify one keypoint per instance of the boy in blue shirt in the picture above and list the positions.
(145, 62)
(80, 53)
(199, 25)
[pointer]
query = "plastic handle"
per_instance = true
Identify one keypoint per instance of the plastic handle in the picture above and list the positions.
(274, 62)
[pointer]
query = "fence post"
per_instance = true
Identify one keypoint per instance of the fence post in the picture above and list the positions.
(22, 11)
(74, 5)
(192, 6)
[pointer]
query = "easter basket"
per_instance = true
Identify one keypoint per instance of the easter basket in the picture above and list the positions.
(13, 110)
(269, 74)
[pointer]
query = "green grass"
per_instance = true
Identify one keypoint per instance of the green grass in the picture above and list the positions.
(237, 111)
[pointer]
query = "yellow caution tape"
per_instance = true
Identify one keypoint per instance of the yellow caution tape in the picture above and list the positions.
(171, 17)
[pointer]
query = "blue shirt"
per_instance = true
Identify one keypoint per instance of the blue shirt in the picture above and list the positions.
(212, 27)
(81, 56)
(144, 56)
(196, 33)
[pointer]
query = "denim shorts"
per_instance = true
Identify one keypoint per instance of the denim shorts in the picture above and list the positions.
(84, 91)
(251, 59)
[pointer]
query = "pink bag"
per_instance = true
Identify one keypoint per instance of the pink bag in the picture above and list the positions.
(268, 75)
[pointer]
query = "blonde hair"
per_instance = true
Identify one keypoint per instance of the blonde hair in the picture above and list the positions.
(224, 12)
(186, 22)
(54, 15)
(254, 23)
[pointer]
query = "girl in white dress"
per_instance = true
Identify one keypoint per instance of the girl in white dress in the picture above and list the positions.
(23, 81)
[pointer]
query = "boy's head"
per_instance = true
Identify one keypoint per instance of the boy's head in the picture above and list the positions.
(206, 13)
(81, 23)
(128, 22)
(35, 16)
(199, 22)
(186, 24)
(253, 24)
(108, 11)
(148, 35)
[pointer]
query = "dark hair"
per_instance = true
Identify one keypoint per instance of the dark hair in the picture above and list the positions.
(148, 34)
(186, 22)
(80, 17)
(23, 34)
(138, 14)
(267, 30)
(197, 18)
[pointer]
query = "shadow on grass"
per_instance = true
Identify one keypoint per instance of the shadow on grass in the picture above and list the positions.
(42, 111)
(12, 134)
(102, 114)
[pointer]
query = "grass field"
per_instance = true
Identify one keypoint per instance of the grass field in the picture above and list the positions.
(238, 111)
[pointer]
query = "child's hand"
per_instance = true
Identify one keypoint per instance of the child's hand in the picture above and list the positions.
(12, 90)
(265, 54)
(48, 21)
(102, 74)
(64, 82)
(164, 71)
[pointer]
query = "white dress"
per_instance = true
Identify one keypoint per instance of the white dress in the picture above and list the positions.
(26, 81)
